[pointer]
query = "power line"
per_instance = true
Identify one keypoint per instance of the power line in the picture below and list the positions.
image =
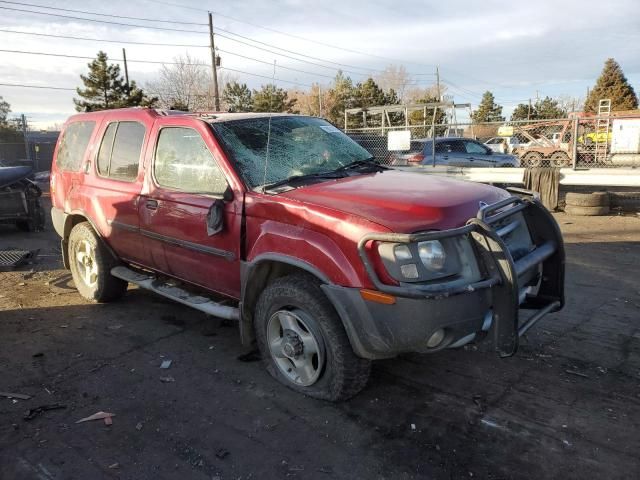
(367, 71)
(299, 37)
(93, 58)
(69, 37)
(101, 21)
(102, 14)
(267, 77)
(81, 57)
(35, 86)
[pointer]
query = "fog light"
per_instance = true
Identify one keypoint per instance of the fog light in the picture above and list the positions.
(436, 338)
(409, 271)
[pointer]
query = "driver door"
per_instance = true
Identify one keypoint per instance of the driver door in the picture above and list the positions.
(189, 218)
(478, 155)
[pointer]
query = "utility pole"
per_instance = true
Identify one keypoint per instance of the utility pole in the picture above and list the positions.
(214, 69)
(438, 83)
(126, 70)
(529, 112)
(23, 119)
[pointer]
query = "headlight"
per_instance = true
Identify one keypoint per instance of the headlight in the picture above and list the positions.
(432, 255)
(447, 259)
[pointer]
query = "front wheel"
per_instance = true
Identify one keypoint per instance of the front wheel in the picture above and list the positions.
(303, 343)
(91, 263)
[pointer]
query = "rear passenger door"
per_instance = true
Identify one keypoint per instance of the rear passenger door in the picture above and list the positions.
(478, 155)
(115, 188)
(186, 190)
(451, 152)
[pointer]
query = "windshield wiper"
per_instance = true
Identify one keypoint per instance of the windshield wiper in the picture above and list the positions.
(301, 179)
(370, 163)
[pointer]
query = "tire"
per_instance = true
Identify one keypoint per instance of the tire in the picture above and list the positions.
(596, 199)
(291, 314)
(559, 159)
(586, 211)
(532, 159)
(91, 263)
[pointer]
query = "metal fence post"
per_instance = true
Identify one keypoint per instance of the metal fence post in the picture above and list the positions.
(574, 141)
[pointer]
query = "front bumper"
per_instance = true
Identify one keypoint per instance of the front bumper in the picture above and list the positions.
(489, 308)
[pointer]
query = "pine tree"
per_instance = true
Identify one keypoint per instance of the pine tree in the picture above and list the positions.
(488, 110)
(5, 108)
(105, 89)
(238, 97)
(270, 98)
(523, 111)
(612, 84)
(339, 98)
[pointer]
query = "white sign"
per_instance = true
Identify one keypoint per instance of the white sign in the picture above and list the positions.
(505, 131)
(399, 140)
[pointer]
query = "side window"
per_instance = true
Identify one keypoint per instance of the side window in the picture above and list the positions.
(73, 145)
(183, 162)
(104, 154)
(473, 147)
(119, 153)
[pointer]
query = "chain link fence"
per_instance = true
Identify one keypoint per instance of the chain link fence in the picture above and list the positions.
(578, 142)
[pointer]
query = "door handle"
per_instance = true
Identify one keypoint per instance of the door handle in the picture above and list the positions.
(151, 204)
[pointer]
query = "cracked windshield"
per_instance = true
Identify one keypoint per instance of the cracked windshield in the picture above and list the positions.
(296, 146)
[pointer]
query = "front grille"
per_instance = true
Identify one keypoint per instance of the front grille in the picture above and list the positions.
(514, 232)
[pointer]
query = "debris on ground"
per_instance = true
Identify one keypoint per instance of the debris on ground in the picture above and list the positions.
(167, 379)
(106, 416)
(165, 364)
(113, 466)
(19, 396)
(34, 412)
(578, 374)
(139, 426)
(222, 453)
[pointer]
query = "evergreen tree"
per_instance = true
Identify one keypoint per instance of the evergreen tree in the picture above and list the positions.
(612, 84)
(5, 108)
(105, 89)
(270, 98)
(238, 97)
(548, 108)
(339, 98)
(369, 94)
(523, 111)
(545, 109)
(488, 110)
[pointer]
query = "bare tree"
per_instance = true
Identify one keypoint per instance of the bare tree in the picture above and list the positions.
(395, 78)
(183, 85)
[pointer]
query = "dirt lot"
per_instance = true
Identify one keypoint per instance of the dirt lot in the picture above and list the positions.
(567, 406)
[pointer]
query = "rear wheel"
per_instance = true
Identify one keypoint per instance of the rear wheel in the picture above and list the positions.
(303, 343)
(91, 264)
(532, 159)
(559, 159)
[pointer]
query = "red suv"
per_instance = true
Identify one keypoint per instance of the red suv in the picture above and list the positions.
(327, 259)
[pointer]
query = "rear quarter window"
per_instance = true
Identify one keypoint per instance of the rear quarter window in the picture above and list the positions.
(120, 149)
(73, 145)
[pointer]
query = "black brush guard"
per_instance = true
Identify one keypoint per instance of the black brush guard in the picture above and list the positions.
(501, 272)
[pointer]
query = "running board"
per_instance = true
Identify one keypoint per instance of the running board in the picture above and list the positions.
(177, 294)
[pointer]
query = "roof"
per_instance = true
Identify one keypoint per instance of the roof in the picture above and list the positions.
(211, 117)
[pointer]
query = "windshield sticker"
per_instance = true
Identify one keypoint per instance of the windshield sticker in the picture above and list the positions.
(330, 129)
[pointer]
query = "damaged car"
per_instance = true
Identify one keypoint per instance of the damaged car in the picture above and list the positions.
(326, 259)
(20, 199)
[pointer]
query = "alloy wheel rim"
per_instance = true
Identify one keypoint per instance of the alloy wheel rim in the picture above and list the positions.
(86, 263)
(296, 351)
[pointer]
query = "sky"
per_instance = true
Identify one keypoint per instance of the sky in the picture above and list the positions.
(516, 49)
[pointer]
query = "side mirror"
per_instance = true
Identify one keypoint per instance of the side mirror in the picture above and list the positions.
(215, 217)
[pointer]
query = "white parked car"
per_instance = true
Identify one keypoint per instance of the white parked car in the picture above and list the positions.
(505, 144)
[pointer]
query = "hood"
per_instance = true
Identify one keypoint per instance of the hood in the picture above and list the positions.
(404, 202)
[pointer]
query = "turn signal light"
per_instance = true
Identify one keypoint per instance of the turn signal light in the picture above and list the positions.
(378, 297)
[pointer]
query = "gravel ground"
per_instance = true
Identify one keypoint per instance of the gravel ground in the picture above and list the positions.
(566, 406)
